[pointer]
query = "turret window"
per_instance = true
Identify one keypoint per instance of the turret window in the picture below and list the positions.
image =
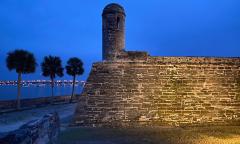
(118, 22)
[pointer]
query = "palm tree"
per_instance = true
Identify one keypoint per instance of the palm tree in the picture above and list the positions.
(74, 67)
(52, 67)
(23, 62)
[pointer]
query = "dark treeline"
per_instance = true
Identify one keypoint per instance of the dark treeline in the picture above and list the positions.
(24, 62)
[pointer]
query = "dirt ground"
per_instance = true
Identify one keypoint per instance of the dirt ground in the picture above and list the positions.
(148, 135)
(156, 135)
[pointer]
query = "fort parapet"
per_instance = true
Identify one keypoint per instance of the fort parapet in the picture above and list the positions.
(133, 88)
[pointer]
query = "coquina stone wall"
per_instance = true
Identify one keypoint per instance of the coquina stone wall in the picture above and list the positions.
(41, 131)
(161, 91)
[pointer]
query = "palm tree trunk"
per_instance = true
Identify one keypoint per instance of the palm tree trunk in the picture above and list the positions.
(73, 87)
(19, 91)
(52, 85)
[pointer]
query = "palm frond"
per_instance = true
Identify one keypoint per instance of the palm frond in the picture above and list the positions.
(52, 67)
(22, 61)
(74, 66)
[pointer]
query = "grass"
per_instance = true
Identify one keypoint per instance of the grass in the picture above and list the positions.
(157, 135)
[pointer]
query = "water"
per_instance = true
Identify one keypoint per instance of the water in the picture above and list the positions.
(10, 92)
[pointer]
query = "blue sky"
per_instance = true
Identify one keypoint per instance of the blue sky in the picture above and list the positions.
(161, 27)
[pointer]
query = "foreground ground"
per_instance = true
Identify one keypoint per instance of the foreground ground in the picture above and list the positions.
(13, 120)
(157, 135)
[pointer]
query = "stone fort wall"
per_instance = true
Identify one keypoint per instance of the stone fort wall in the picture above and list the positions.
(161, 91)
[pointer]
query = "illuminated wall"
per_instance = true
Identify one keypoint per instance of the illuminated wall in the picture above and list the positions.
(161, 91)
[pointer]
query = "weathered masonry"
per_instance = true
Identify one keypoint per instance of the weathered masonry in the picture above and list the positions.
(133, 88)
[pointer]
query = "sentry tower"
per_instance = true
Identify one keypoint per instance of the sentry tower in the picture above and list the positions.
(113, 31)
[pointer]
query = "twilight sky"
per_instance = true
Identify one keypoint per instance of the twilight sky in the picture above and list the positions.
(161, 27)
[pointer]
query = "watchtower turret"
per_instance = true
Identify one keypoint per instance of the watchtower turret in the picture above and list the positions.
(113, 31)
